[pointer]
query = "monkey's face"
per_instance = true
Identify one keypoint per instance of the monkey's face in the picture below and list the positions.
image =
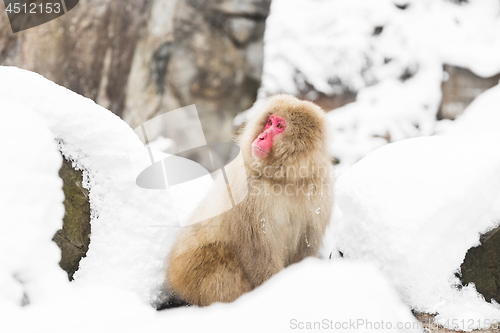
(263, 144)
(286, 134)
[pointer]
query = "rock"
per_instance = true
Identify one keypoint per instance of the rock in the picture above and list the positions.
(88, 50)
(74, 237)
(460, 87)
(143, 58)
(482, 266)
(329, 102)
(210, 53)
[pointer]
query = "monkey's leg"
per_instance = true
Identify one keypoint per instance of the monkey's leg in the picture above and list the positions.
(208, 274)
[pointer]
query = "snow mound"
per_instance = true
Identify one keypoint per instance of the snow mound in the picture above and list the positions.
(312, 294)
(482, 116)
(31, 204)
(132, 228)
(416, 207)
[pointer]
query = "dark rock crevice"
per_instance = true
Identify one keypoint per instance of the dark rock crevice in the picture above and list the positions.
(481, 266)
(74, 237)
(159, 65)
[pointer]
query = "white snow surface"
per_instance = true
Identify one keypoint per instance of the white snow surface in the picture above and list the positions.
(415, 207)
(31, 204)
(132, 228)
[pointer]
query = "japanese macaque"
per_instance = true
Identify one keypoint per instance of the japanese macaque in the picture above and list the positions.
(281, 221)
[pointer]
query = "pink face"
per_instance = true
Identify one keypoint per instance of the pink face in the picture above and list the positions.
(263, 145)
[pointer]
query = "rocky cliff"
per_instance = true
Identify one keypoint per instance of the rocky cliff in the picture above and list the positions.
(141, 59)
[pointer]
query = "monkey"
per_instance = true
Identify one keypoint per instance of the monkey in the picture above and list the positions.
(281, 221)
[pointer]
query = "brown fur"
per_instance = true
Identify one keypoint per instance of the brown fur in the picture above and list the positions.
(221, 258)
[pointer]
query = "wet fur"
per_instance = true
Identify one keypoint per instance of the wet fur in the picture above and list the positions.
(221, 258)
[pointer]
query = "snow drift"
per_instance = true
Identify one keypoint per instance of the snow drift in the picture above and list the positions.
(127, 247)
(416, 207)
(31, 204)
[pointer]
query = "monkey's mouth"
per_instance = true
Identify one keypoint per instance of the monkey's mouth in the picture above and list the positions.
(259, 152)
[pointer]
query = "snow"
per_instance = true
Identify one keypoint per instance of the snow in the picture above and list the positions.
(391, 58)
(31, 204)
(482, 116)
(415, 207)
(132, 228)
(329, 46)
(387, 112)
(333, 295)
(467, 36)
(123, 271)
(337, 45)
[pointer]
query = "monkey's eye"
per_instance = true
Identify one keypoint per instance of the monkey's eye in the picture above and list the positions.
(269, 122)
(280, 126)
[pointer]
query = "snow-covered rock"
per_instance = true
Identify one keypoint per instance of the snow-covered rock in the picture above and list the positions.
(132, 228)
(387, 112)
(390, 53)
(416, 207)
(336, 45)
